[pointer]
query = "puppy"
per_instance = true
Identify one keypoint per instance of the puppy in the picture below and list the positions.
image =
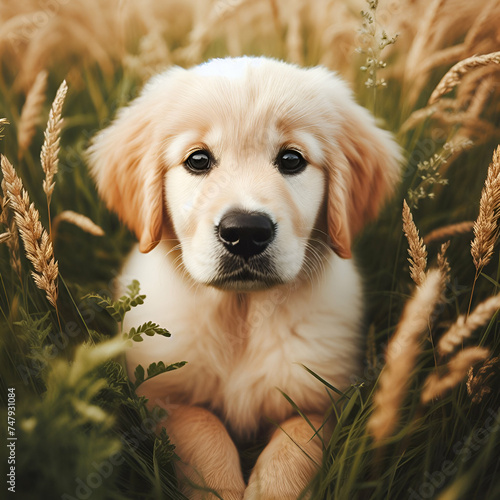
(245, 181)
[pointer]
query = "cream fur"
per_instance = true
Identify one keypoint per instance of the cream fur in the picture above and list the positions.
(244, 342)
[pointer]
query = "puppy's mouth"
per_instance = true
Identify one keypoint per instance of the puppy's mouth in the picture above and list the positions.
(243, 275)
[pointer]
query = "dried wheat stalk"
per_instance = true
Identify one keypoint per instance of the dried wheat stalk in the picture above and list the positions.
(36, 241)
(486, 226)
(50, 148)
(203, 31)
(465, 326)
(455, 74)
(445, 232)
(435, 386)
(474, 39)
(31, 112)
(443, 264)
(5, 237)
(417, 250)
(477, 383)
(471, 82)
(294, 42)
(3, 122)
(465, 110)
(402, 352)
(13, 240)
(6, 219)
(424, 32)
(422, 114)
(79, 220)
(478, 99)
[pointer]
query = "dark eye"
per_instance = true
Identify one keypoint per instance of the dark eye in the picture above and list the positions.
(199, 162)
(290, 162)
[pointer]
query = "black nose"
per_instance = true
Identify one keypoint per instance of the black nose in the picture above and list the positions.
(246, 234)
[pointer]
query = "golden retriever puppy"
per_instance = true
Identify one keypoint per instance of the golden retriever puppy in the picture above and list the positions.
(246, 180)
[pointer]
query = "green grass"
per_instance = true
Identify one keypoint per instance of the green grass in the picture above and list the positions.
(81, 429)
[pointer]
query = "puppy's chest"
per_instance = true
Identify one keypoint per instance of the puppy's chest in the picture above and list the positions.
(241, 364)
(242, 354)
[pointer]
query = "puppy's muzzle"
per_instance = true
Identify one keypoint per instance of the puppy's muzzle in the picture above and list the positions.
(246, 234)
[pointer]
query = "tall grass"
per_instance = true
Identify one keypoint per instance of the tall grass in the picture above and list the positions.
(422, 418)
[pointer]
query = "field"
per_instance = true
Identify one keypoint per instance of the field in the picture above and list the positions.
(422, 420)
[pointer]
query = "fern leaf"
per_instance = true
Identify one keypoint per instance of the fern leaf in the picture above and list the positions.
(148, 329)
(154, 369)
(118, 308)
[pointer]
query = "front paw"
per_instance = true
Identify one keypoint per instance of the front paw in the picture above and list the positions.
(287, 464)
(273, 489)
(231, 495)
(194, 494)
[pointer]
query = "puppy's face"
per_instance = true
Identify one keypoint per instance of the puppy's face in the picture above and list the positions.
(251, 164)
(243, 189)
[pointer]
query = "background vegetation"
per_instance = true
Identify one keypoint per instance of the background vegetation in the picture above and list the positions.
(81, 430)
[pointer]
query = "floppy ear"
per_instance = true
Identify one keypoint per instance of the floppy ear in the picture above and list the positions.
(363, 166)
(126, 165)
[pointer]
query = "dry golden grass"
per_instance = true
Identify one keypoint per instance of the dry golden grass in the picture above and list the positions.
(486, 226)
(79, 220)
(13, 240)
(443, 264)
(426, 30)
(417, 250)
(435, 385)
(456, 73)
(37, 244)
(464, 327)
(477, 383)
(4, 237)
(10, 237)
(147, 36)
(445, 232)
(140, 36)
(31, 112)
(294, 40)
(472, 82)
(50, 149)
(466, 112)
(402, 352)
(442, 33)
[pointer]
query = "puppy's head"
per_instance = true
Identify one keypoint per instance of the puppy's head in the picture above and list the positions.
(246, 162)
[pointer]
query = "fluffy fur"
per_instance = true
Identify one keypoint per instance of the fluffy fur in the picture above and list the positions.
(245, 339)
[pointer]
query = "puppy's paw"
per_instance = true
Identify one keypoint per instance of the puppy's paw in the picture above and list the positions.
(231, 495)
(224, 494)
(221, 484)
(271, 491)
(287, 464)
(275, 483)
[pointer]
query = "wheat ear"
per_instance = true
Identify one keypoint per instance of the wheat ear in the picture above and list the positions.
(455, 74)
(402, 352)
(31, 112)
(6, 219)
(435, 386)
(443, 264)
(50, 148)
(13, 241)
(486, 225)
(465, 326)
(416, 250)
(36, 241)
